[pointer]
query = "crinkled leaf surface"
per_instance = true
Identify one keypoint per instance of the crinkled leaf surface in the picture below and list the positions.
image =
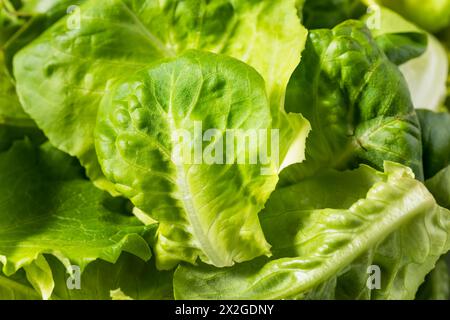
(205, 208)
(357, 102)
(47, 208)
(319, 241)
(62, 76)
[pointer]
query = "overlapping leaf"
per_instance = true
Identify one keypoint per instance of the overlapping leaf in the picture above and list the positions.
(323, 245)
(46, 207)
(357, 102)
(62, 76)
(206, 208)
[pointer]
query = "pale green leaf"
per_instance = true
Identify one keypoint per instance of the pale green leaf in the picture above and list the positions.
(62, 76)
(46, 207)
(319, 243)
(206, 208)
(357, 102)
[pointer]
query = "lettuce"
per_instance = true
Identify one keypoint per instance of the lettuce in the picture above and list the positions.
(437, 284)
(59, 213)
(198, 214)
(147, 32)
(319, 243)
(224, 149)
(357, 102)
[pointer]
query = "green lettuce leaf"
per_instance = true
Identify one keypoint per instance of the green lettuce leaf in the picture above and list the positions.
(62, 76)
(437, 284)
(322, 245)
(357, 102)
(206, 208)
(101, 280)
(46, 207)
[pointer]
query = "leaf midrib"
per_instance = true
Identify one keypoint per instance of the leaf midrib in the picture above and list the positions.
(186, 195)
(333, 264)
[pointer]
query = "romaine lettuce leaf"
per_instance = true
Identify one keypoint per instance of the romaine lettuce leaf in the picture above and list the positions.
(317, 243)
(114, 82)
(46, 207)
(357, 102)
(206, 208)
(62, 76)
